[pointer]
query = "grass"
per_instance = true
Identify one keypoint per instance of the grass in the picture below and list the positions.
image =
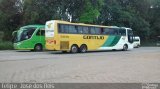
(6, 45)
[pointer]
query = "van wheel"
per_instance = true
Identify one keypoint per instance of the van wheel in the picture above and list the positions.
(125, 47)
(83, 48)
(38, 47)
(74, 49)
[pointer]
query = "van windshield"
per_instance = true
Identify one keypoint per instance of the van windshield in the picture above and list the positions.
(24, 34)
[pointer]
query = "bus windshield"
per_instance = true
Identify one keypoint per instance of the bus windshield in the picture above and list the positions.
(24, 34)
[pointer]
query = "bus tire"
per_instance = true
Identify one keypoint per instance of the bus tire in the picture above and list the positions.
(83, 48)
(74, 49)
(125, 47)
(38, 47)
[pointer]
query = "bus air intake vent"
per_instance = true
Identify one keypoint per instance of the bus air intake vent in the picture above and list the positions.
(64, 45)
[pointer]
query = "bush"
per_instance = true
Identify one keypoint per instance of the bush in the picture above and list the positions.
(1, 35)
(150, 43)
(6, 45)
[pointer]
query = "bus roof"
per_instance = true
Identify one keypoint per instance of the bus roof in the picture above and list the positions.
(126, 28)
(65, 22)
(83, 24)
(33, 26)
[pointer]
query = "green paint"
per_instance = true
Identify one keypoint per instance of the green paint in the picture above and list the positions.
(32, 41)
(111, 41)
(116, 40)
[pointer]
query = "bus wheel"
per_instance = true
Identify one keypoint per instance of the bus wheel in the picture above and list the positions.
(83, 48)
(38, 47)
(125, 47)
(74, 49)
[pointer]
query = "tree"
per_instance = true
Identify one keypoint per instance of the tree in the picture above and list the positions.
(155, 19)
(91, 11)
(10, 17)
(124, 13)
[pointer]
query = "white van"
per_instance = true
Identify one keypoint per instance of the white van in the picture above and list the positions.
(136, 42)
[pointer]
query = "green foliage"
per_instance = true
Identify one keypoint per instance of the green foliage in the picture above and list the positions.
(143, 16)
(1, 35)
(6, 45)
(9, 17)
(91, 11)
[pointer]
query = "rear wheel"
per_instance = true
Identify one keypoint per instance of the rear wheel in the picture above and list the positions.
(125, 47)
(83, 48)
(74, 49)
(38, 47)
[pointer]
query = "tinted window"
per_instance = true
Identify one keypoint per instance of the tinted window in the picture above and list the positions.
(85, 30)
(72, 29)
(40, 32)
(130, 32)
(80, 29)
(63, 28)
(122, 32)
(113, 31)
(92, 30)
(106, 31)
(98, 30)
(43, 32)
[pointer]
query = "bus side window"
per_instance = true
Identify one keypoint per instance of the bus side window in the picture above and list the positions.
(60, 28)
(122, 32)
(40, 32)
(80, 29)
(113, 31)
(97, 30)
(72, 29)
(63, 28)
(106, 31)
(116, 31)
(85, 30)
(92, 30)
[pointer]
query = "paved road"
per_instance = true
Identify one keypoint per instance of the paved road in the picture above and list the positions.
(136, 66)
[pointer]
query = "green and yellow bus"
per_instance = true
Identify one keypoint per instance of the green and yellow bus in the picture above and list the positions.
(31, 37)
(78, 37)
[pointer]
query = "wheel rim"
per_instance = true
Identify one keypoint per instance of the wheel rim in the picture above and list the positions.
(83, 49)
(38, 48)
(74, 49)
(125, 47)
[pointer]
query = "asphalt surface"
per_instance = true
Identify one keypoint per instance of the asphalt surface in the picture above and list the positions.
(139, 65)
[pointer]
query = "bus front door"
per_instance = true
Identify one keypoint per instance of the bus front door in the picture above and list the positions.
(130, 36)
